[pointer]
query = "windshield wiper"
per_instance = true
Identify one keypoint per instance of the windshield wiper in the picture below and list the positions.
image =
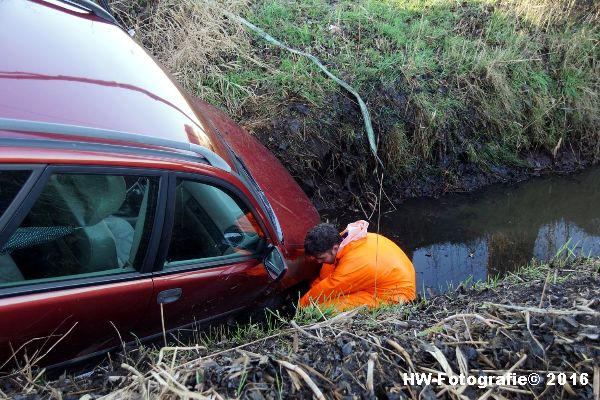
(95, 9)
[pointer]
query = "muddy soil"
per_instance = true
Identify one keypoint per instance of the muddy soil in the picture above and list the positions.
(326, 150)
(546, 323)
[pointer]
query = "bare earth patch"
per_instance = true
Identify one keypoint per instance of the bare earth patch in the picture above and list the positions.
(544, 320)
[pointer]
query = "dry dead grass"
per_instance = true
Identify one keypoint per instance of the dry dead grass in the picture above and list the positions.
(530, 326)
(194, 40)
(546, 13)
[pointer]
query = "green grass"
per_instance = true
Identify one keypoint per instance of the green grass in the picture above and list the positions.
(528, 81)
(481, 81)
(491, 282)
(313, 313)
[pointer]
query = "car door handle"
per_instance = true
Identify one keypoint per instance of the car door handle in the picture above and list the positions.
(169, 296)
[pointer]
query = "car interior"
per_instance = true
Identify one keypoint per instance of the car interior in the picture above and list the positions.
(90, 224)
(209, 223)
(80, 224)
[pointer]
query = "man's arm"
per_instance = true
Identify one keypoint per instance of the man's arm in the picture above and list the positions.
(345, 279)
(326, 270)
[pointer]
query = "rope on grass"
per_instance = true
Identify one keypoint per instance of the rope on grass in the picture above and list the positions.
(315, 60)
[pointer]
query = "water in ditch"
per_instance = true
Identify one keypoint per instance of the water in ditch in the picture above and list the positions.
(499, 229)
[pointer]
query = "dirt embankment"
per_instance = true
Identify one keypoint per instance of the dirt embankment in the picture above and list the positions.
(344, 172)
(542, 323)
(461, 94)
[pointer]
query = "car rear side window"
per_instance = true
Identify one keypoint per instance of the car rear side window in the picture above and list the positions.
(209, 223)
(10, 184)
(81, 225)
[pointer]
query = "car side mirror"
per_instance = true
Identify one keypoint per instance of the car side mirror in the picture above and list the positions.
(274, 263)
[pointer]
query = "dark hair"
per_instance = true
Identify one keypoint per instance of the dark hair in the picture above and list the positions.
(320, 238)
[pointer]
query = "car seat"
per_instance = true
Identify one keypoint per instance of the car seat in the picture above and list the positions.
(88, 201)
(139, 225)
(9, 272)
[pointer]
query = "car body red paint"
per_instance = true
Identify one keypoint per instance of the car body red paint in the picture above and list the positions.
(61, 65)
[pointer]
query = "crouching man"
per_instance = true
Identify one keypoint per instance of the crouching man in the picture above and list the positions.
(359, 268)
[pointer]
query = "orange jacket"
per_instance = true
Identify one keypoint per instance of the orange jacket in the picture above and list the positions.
(369, 271)
(248, 223)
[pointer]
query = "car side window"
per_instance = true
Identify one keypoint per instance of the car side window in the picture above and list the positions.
(10, 183)
(209, 223)
(81, 225)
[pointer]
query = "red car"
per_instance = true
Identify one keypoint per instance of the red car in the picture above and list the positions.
(125, 203)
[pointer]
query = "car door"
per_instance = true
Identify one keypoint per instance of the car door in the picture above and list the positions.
(212, 262)
(76, 247)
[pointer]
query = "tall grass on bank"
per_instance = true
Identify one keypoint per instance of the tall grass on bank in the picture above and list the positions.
(195, 42)
(478, 81)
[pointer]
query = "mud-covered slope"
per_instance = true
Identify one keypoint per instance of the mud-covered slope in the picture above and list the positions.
(540, 323)
(460, 94)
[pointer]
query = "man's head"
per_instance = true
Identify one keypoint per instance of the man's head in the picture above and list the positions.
(322, 242)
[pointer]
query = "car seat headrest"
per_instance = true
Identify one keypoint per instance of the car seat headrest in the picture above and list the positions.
(90, 198)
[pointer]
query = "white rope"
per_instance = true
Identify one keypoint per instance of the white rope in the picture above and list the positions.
(361, 103)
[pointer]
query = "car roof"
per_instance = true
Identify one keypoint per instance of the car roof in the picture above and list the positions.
(66, 66)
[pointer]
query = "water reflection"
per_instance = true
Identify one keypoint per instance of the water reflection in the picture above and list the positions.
(498, 229)
(444, 264)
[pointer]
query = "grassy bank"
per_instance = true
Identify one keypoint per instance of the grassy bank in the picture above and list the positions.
(541, 320)
(455, 89)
